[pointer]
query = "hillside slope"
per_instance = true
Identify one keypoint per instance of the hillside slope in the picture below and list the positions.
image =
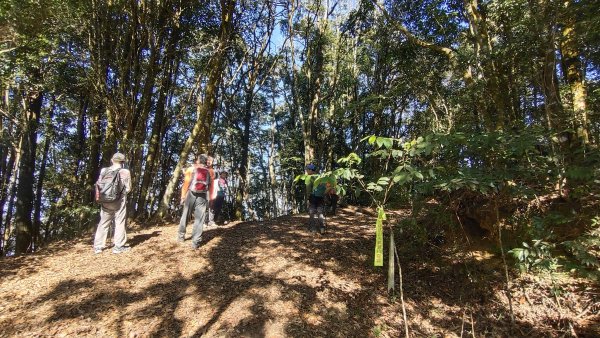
(271, 279)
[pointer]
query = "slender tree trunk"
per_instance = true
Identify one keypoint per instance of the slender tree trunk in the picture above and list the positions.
(78, 152)
(295, 106)
(160, 120)
(544, 14)
(8, 191)
(138, 126)
(4, 149)
(353, 93)
(494, 114)
(12, 193)
(313, 99)
(25, 194)
(95, 147)
(242, 193)
(138, 130)
(97, 45)
(154, 146)
(573, 70)
(7, 155)
(331, 133)
(37, 208)
(272, 153)
(255, 69)
(109, 146)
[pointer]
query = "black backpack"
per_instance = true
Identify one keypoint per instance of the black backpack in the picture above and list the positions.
(109, 187)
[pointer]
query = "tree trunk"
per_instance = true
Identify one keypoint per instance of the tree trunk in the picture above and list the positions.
(544, 13)
(8, 191)
(78, 151)
(573, 70)
(95, 147)
(137, 130)
(24, 231)
(272, 154)
(242, 193)
(109, 146)
(152, 159)
(37, 209)
(494, 114)
(12, 193)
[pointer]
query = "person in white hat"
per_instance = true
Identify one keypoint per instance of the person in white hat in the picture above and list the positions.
(112, 187)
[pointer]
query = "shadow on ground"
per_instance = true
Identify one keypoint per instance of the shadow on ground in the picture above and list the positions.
(258, 279)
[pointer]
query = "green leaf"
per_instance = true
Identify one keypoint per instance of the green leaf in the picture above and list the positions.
(387, 142)
(400, 178)
(397, 153)
(300, 177)
(383, 181)
(431, 173)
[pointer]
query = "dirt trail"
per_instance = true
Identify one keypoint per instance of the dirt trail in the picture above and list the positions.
(267, 279)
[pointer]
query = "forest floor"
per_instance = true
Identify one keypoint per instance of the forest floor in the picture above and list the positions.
(276, 279)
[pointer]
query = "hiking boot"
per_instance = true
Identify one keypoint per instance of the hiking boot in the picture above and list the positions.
(322, 230)
(120, 249)
(98, 250)
(180, 239)
(196, 245)
(212, 224)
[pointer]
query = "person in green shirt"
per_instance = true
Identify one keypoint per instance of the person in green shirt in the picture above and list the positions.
(316, 199)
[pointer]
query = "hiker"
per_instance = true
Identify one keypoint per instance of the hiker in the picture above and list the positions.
(196, 184)
(221, 187)
(315, 200)
(112, 187)
(212, 193)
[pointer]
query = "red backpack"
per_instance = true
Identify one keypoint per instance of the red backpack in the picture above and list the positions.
(200, 180)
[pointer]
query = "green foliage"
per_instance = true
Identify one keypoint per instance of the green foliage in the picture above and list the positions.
(72, 221)
(533, 255)
(511, 168)
(486, 163)
(586, 248)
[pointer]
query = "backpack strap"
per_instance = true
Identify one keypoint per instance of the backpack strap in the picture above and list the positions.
(118, 174)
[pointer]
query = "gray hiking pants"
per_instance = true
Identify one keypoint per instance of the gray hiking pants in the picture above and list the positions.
(315, 206)
(112, 212)
(196, 202)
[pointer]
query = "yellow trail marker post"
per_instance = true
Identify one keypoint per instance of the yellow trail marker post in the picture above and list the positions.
(379, 237)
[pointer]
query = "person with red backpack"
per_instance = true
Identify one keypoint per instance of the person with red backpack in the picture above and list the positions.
(112, 187)
(196, 184)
